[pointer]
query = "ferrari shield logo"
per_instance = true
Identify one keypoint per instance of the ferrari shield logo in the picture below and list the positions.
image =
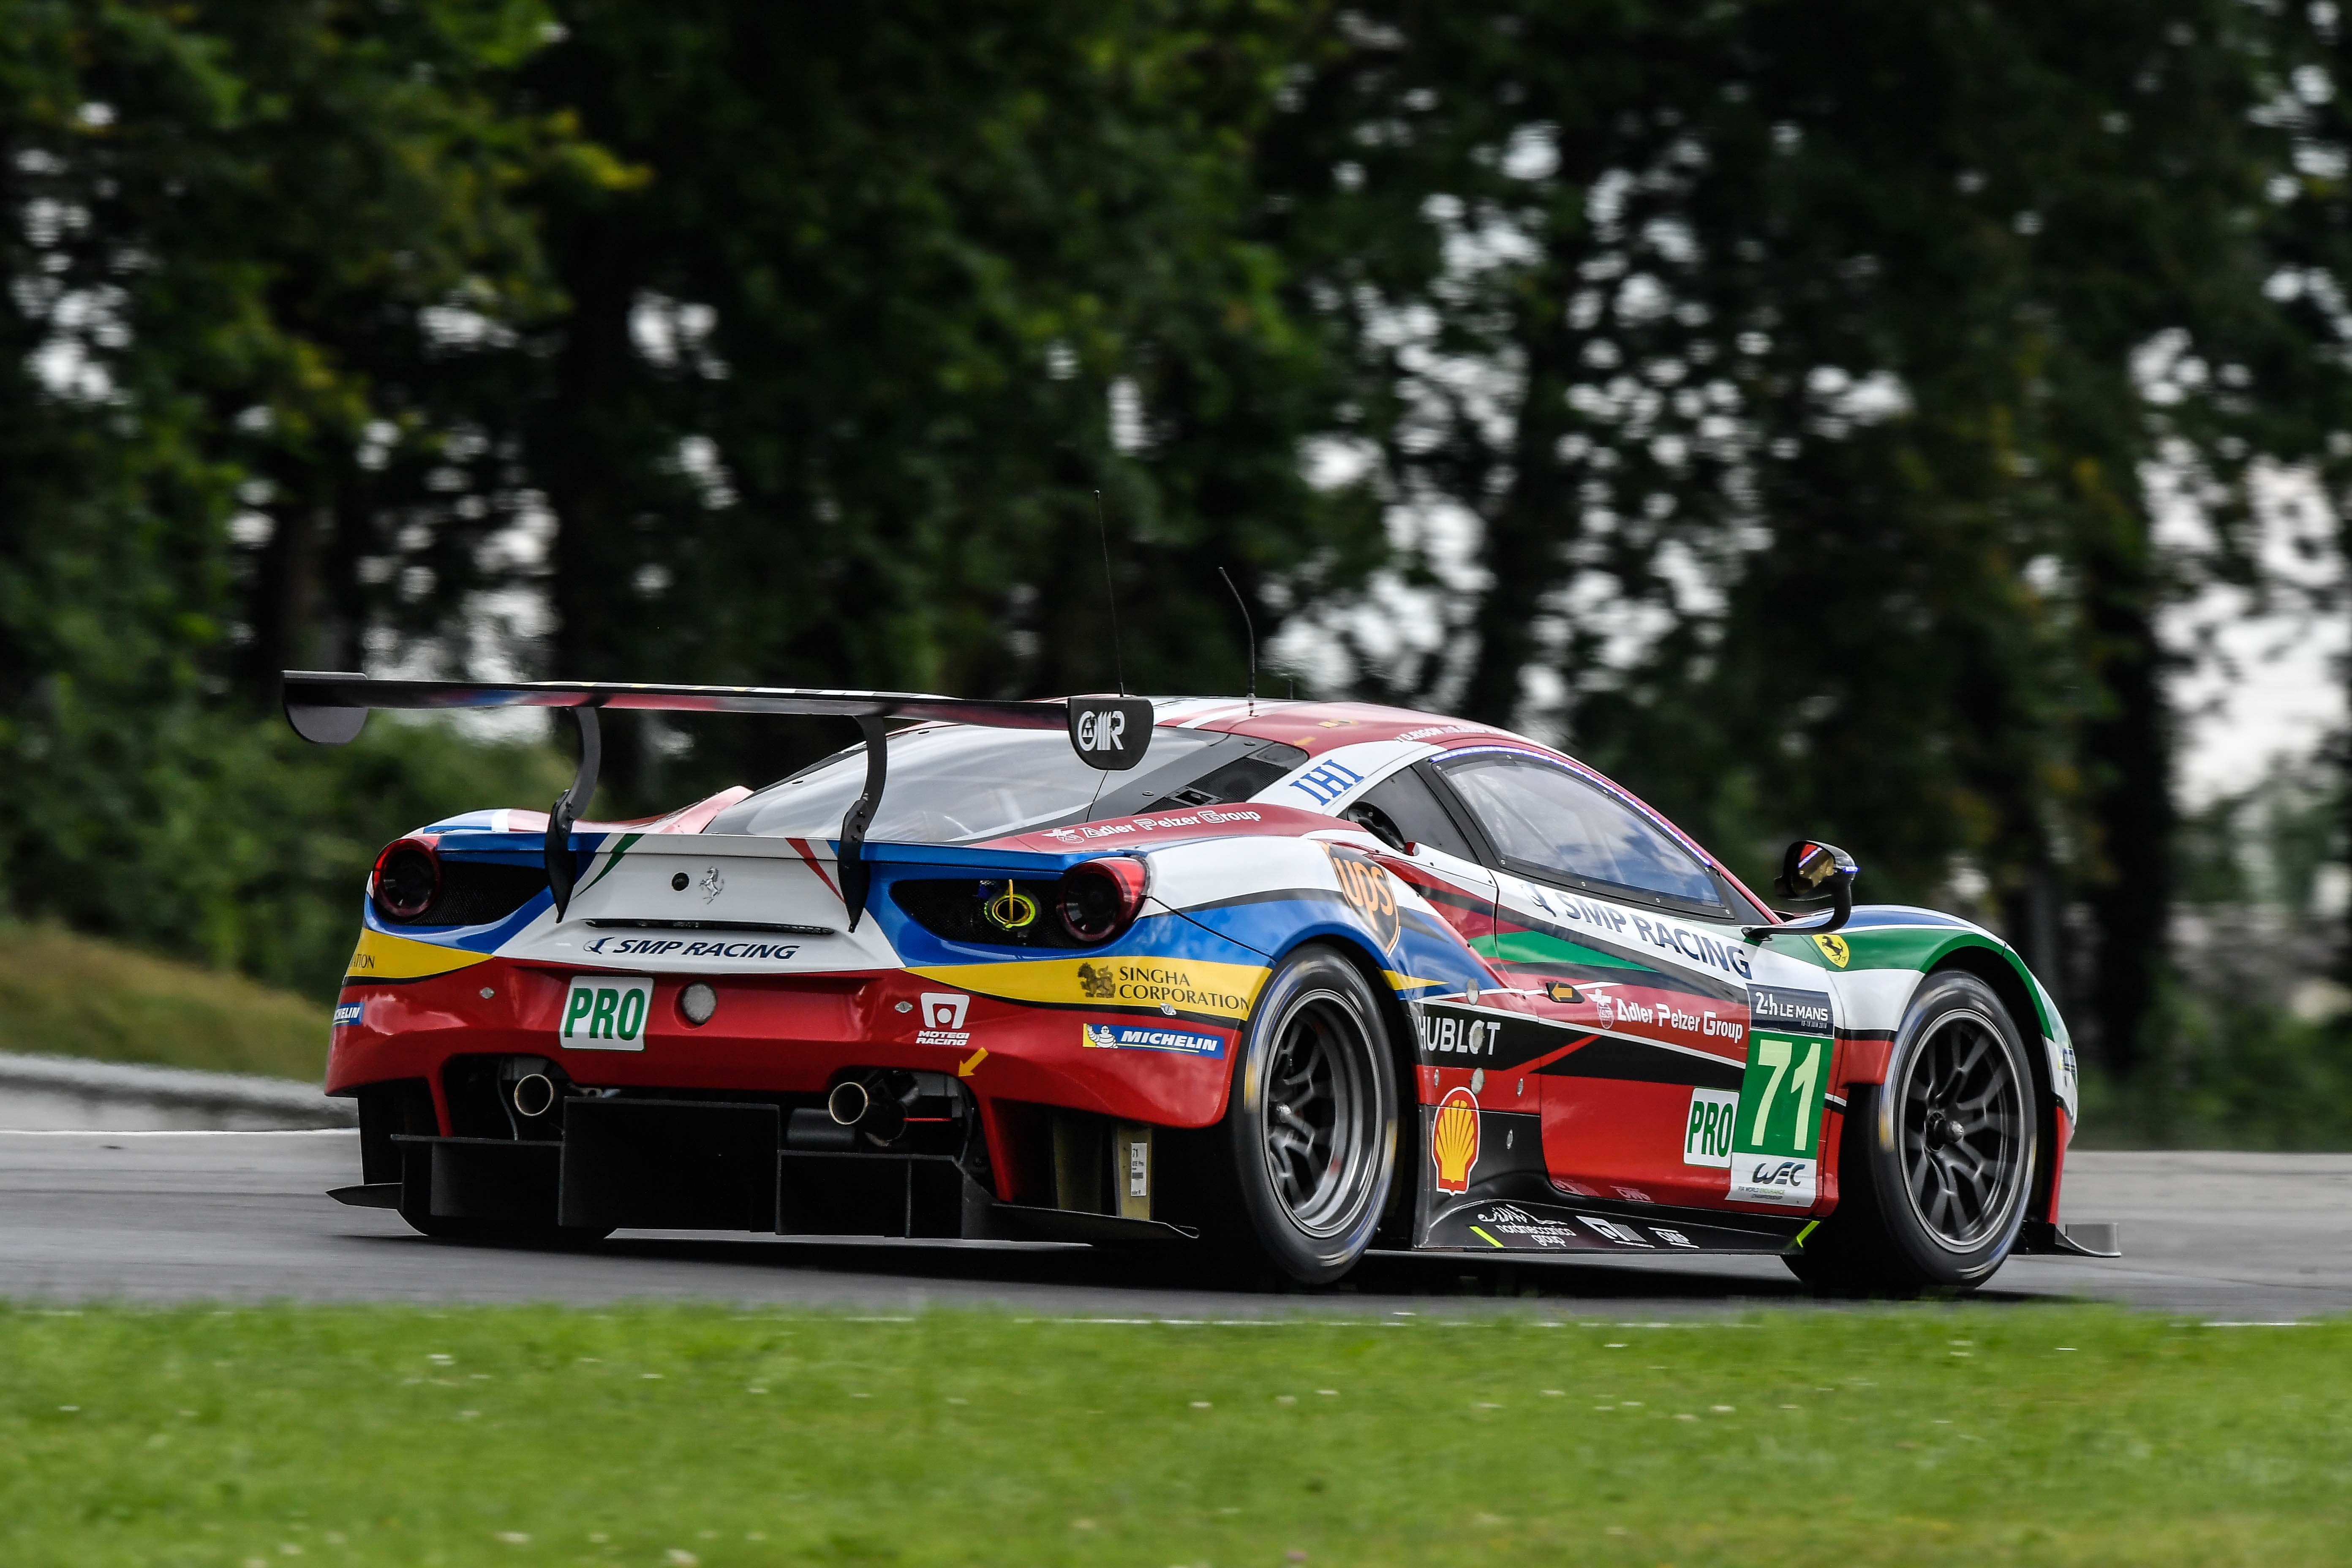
(1365, 886)
(1835, 949)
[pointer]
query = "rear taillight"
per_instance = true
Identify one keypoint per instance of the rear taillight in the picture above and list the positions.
(1100, 899)
(407, 879)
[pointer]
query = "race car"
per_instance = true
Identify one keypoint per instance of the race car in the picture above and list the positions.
(1278, 981)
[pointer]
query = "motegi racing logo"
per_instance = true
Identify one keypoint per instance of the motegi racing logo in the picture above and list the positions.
(944, 1014)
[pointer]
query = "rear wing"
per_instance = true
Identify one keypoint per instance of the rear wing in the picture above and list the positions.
(329, 708)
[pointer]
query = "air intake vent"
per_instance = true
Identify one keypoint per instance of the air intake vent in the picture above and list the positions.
(999, 913)
(478, 892)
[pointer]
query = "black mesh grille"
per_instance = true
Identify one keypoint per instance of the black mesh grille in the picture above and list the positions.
(477, 892)
(1237, 780)
(958, 909)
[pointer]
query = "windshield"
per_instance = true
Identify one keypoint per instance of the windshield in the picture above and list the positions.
(951, 783)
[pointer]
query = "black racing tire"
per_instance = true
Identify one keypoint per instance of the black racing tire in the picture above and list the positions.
(1310, 1136)
(1935, 1165)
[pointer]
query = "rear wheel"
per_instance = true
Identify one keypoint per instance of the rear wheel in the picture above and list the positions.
(1311, 1125)
(1934, 1164)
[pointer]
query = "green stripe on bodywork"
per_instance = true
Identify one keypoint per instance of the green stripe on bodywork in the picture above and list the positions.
(1918, 949)
(1537, 947)
(623, 847)
(1884, 947)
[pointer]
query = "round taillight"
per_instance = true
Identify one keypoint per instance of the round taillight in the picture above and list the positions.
(1100, 899)
(697, 1003)
(407, 879)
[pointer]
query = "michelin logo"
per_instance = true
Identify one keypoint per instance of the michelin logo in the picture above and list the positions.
(349, 1014)
(1137, 1038)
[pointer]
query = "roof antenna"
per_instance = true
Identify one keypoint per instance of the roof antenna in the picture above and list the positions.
(1250, 628)
(1110, 591)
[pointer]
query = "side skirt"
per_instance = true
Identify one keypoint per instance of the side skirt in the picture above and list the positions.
(1508, 1204)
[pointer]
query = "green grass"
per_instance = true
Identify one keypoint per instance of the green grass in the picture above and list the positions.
(76, 996)
(670, 1435)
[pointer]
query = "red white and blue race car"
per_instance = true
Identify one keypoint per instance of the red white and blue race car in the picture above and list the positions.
(1282, 980)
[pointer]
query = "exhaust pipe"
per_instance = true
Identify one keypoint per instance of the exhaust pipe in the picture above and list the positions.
(852, 1104)
(534, 1095)
(848, 1103)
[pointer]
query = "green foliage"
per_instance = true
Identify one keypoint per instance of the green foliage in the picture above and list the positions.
(71, 995)
(229, 841)
(2235, 1074)
(1762, 397)
(689, 1435)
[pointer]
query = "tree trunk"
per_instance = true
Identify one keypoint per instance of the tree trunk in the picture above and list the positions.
(1526, 527)
(2127, 745)
(586, 441)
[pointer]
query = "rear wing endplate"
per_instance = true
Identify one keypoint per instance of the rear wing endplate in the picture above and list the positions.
(1107, 732)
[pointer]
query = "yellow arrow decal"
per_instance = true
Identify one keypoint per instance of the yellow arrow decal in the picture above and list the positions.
(971, 1063)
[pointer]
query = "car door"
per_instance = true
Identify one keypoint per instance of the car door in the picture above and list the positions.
(1621, 941)
(1436, 851)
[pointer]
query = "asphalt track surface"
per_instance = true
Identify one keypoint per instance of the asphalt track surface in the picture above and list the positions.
(242, 1216)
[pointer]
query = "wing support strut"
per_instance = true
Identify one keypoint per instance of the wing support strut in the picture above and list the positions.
(562, 869)
(856, 875)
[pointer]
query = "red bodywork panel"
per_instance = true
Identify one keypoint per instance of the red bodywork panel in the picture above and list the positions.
(780, 1036)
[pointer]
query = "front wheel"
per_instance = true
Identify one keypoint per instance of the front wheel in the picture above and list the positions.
(1935, 1164)
(1310, 1127)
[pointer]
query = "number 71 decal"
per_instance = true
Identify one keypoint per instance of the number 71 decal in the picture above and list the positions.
(1777, 1127)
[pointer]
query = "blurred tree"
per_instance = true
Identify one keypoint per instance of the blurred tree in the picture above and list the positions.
(229, 231)
(901, 289)
(1784, 368)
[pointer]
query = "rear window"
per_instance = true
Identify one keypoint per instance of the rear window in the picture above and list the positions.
(955, 783)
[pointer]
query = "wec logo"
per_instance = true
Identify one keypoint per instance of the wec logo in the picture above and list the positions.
(1785, 1173)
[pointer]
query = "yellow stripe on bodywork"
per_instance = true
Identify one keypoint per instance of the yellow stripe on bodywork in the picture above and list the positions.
(1187, 985)
(381, 956)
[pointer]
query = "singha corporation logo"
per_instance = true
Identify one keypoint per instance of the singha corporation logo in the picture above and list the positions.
(1096, 983)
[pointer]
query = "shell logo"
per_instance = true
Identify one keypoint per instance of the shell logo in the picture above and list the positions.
(1454, 1142)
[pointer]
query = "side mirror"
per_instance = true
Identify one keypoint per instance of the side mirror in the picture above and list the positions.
(1812, 871)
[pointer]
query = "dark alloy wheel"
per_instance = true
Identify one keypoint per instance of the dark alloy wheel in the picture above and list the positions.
(1311, 1126)
(1960, 1115)
(1935, 1164)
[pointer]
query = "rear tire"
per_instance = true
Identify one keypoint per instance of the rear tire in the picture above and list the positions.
(1935, 1164)
(1310, 1127)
